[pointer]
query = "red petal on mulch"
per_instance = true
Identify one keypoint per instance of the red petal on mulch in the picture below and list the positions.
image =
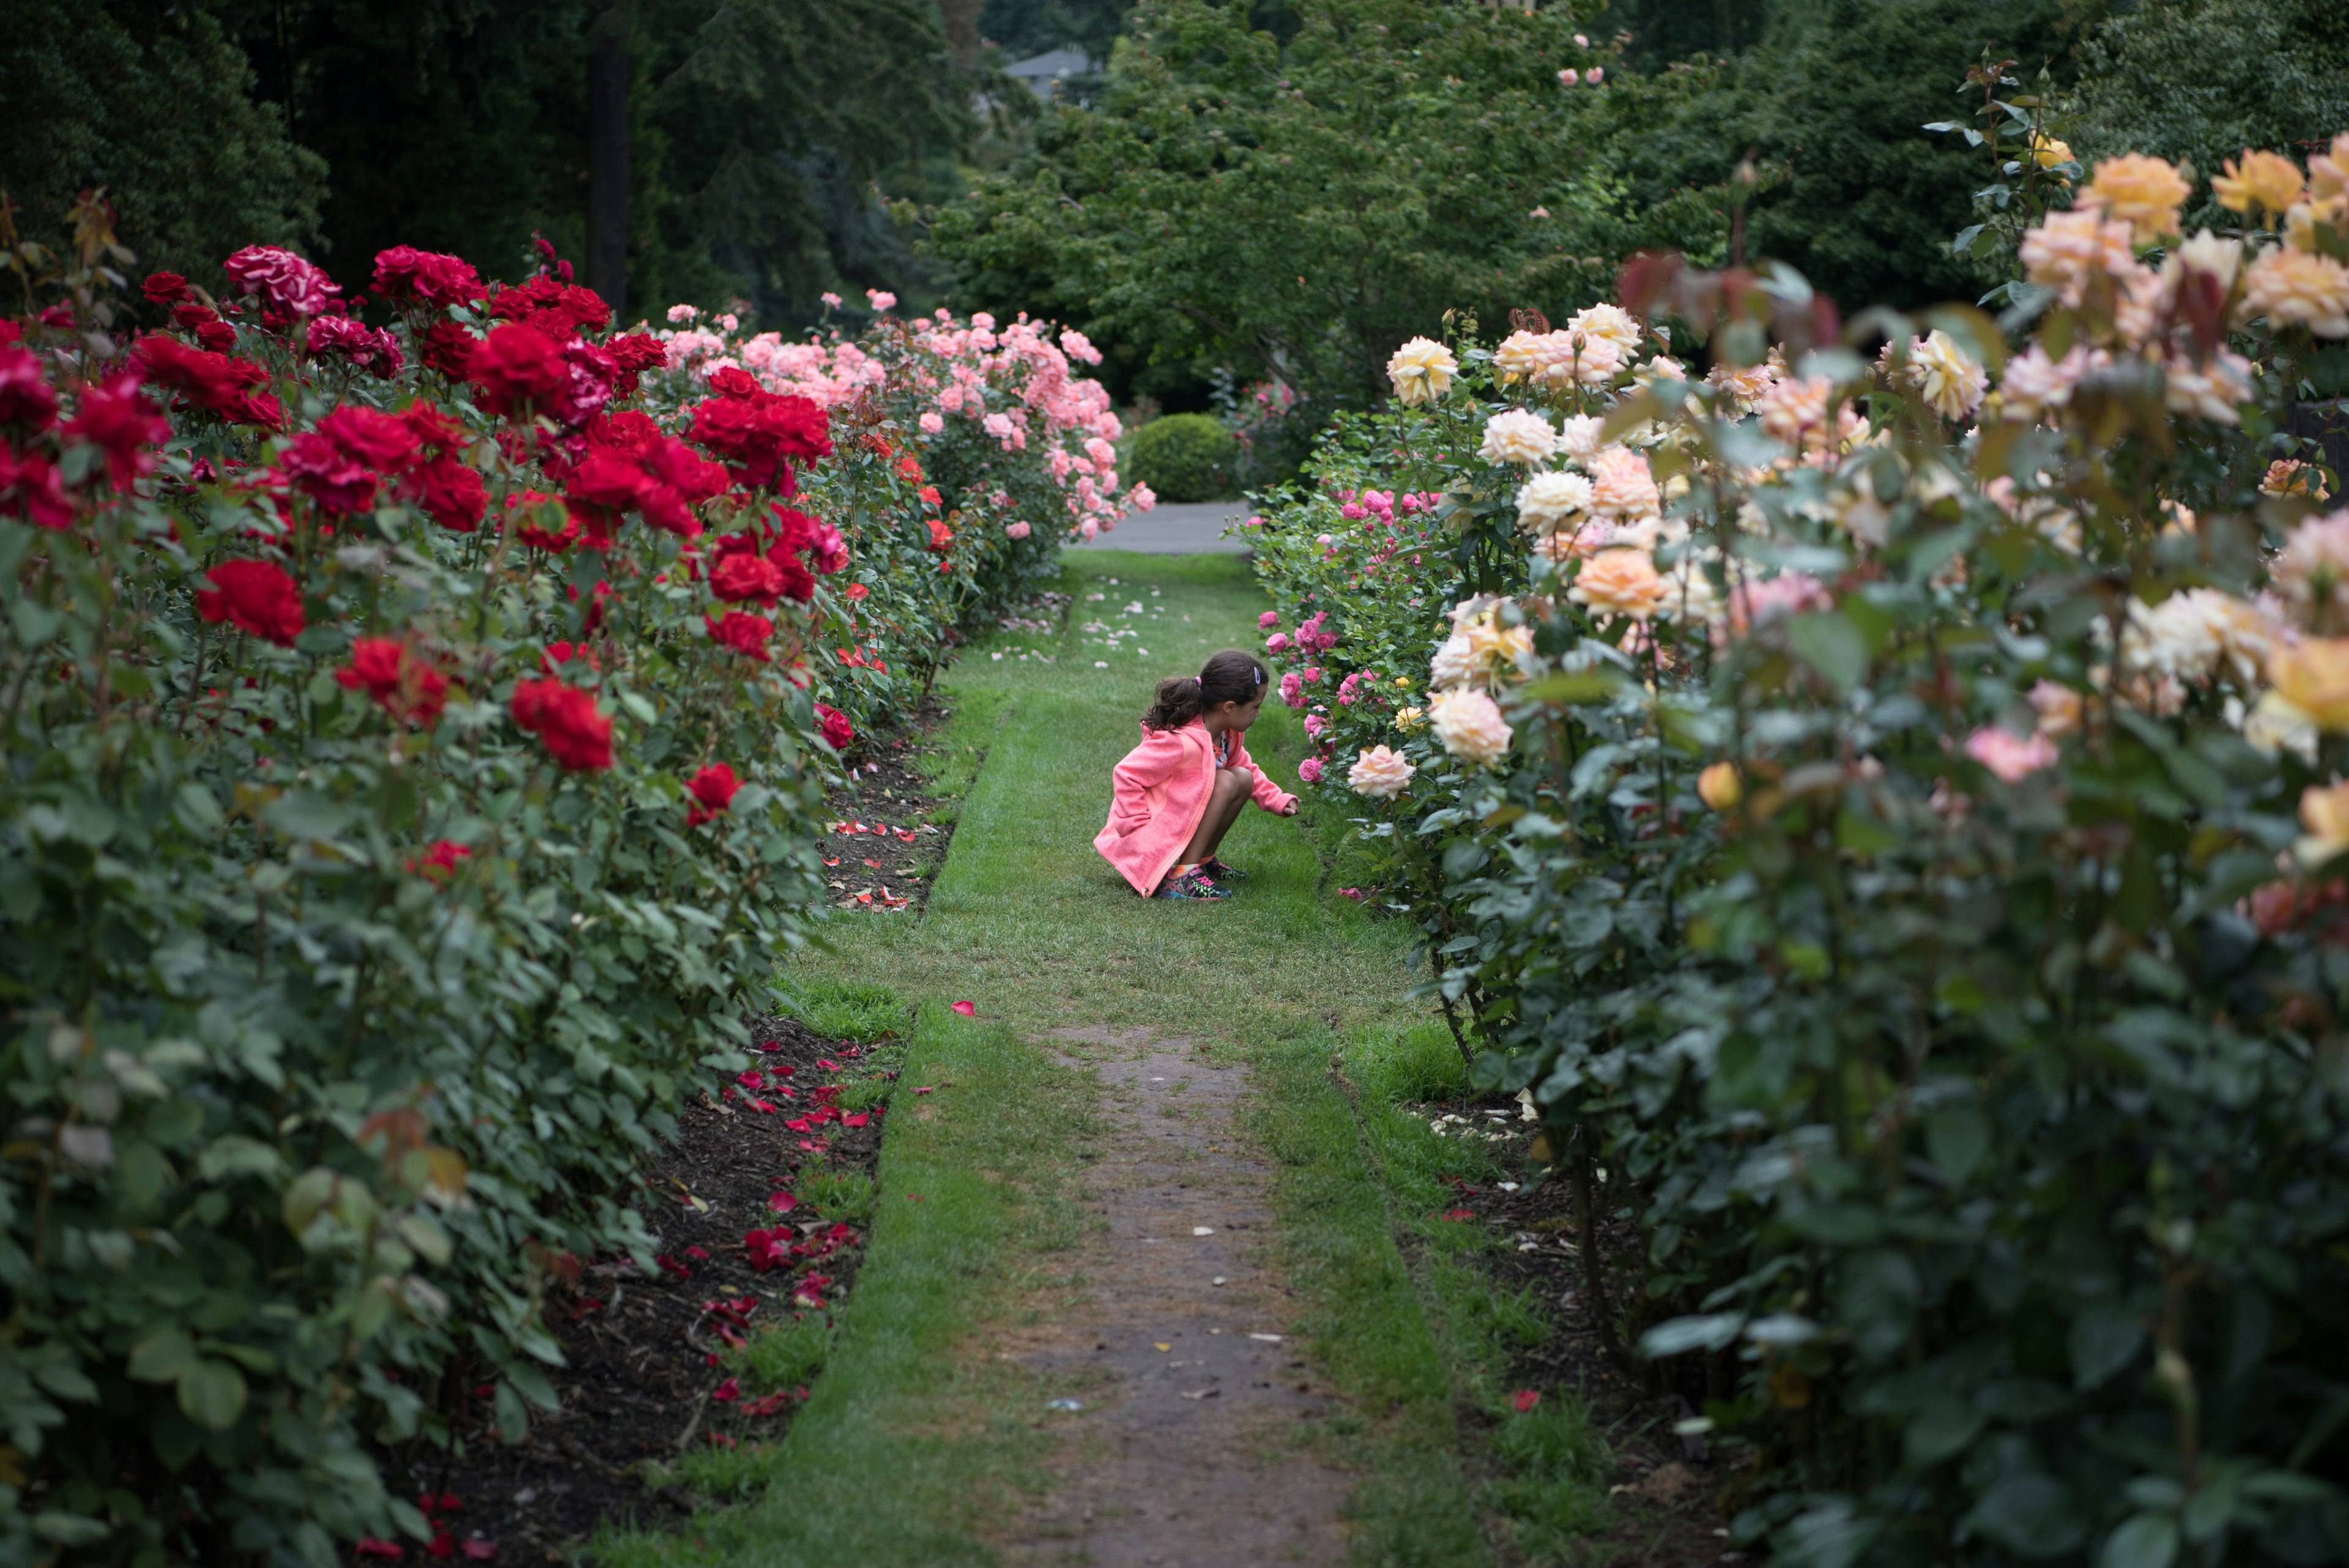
(671, 1266)
(827, 1066)
(802, 1125)
(480, 1550)
(1460, 1214)
(369, 1546)
(752, 1079)
(1526, 1399)
(697, 1252)
(858, 1120)
(726, 1392)
(806, 1146)
(783, 1202)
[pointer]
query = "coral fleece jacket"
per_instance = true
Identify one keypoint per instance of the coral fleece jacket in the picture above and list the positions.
(1158, 795)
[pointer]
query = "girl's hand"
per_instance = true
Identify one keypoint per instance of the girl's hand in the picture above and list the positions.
(1290, 809)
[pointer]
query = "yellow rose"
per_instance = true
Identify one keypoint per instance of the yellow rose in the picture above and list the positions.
(2268, 179)
(1720, 787)
(1410, 719)
(2325, 814)
(2143, 193)
(1422, 371)
(2048, 151)
(2314, 677)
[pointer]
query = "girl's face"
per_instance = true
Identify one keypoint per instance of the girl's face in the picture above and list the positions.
(1231, 716)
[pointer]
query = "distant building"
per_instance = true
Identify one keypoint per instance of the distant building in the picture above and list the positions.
(1044, 73)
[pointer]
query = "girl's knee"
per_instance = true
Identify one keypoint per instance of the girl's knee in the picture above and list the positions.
(1232, 785)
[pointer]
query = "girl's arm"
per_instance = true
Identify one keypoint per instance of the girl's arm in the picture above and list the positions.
(1267, 793)
(1145, 767)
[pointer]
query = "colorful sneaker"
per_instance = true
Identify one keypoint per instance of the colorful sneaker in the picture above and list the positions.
(1214, 867)
(1192, 884)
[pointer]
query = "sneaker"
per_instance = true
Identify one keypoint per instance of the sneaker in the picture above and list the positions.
(1214, 867)
(1191, 884)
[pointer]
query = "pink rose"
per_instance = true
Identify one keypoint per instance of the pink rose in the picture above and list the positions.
(1275, 642)
(1309, 769)
(1015, 529)
(2011, 758)
(1292, 690)
(1268, 619)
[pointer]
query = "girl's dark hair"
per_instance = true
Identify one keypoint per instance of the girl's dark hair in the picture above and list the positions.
(1230, 675)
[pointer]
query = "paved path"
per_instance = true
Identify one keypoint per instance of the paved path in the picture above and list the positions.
(1190, 1451)
(1171, 528)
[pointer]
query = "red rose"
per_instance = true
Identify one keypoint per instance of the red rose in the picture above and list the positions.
(370, 349)
(403, 685)
(164, 288)
(532, 503)
(406, 275)
(797, 582)
(858, 590)
(732, 382)
(761, 435)
(25, 395)
(386, 442)
(627, 430)
(555, 309)
(745, 634)
(207, 381)
(940, 535)
(217, 335)
(910, 468)
(119, 420)
(450, 493)
(930, 497)
(31, 487)
(713, 790)
(254, 595)
(827, 551)
(794, 530)
(255, 409)
(326, 473)
(577, 734)
(448, 348)
(738, 577)
(439, 863)
(634, 354)
(516, 368)
(836, 730)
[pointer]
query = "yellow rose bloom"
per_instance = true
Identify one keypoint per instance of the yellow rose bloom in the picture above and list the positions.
(1720, 787)
(2143, 193)
(1422, 371)
(2314, 677)
(2325, 814)
(2267, 179)
(2048, 151)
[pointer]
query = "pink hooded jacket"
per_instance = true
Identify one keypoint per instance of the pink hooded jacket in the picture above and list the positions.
(1158, 795)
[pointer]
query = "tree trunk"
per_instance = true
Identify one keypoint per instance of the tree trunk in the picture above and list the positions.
(959, 21)
(608, 158)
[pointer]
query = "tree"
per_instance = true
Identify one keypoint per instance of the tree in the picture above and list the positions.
(1294, 191)
(151, 102)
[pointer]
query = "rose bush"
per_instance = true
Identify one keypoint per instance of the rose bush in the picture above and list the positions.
(1882, 811)
(417, 739)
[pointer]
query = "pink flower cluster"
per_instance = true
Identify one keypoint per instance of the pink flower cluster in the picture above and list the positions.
(1383, 504)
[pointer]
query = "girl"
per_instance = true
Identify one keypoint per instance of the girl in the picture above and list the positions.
(1178, 792)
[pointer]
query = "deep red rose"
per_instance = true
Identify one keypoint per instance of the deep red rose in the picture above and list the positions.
(255, 409)
(386, 442)
(739, 576)
(164, 288)
(323, 470)
(370, 349)
(119, 420)
(577, 734)
(745, 634)
(628, 431)
(532, 503)
(217, 335)
(404, 686)
(797, 582)
(761, 435)
(190, 317)
(733, 382)
(634, 354)
(405, 275)
(448, 348)
(834, 726)
(793, 530)
(207, 381)
(450, 493)
(560, 310)
(255, 596)
(31, 487)
(26, 398)
(713, 790)
(286, 282)
(515, 368)
(433, 427)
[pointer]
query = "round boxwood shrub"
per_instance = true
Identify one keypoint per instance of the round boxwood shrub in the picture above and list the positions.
(1184, 457)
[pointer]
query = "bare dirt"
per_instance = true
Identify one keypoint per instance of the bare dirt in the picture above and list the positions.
(642, 1382)
(887, 831)
(1190, 1449)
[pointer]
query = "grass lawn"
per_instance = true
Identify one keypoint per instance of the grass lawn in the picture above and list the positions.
(914, 1442)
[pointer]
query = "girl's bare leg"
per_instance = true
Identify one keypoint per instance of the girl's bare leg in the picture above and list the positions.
(1232, 786)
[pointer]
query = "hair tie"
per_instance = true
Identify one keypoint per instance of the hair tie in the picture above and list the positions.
(1258, 668)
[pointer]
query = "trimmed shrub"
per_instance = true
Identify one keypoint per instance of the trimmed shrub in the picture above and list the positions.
(1184, 457)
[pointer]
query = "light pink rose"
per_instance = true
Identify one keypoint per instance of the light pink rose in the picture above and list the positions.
(2011, 758)
(1015, 529)
(1309, 769)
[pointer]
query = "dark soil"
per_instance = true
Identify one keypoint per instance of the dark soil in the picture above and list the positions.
(888, 828)
(646, 1381)
(1667, 1486)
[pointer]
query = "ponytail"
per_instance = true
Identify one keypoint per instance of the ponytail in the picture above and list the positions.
(1230, 675)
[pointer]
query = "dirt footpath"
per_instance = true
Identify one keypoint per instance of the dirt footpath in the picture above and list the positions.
(1191, 1445)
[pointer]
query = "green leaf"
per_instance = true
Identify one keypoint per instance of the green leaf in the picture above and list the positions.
(1830, 644)
(308, 814)
(67, 1528)
(2031, 1515)
(514, 1416)
(213, 1394)
(2146, 1540)
(1944, 1428)
(163, 1355)
(533, 1385)
(1682, 1334)
(1957, 1136)
(2104, 1339)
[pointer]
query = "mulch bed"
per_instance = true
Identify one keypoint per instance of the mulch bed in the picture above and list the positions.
(1666, 1485)
(646, 1383)
(884, 846)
